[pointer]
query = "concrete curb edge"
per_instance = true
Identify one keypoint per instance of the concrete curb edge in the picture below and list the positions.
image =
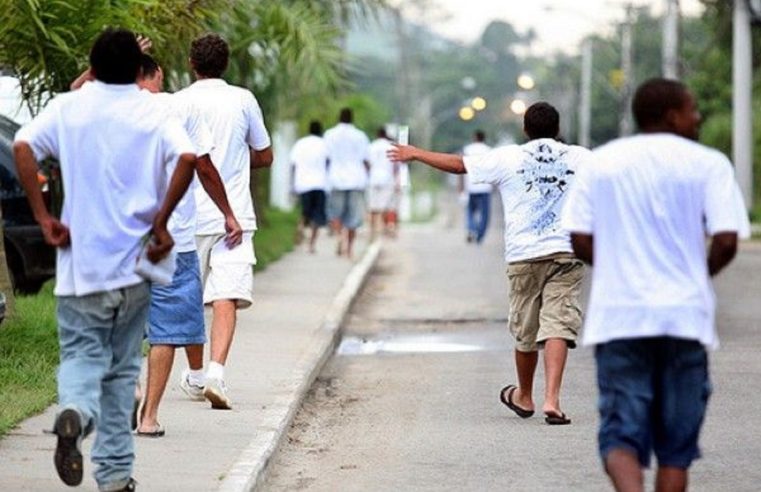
(249, 471)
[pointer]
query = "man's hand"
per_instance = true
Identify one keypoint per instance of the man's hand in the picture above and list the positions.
(160, 245)
(234, 232)
(401, 153)
(55, 233)
(145, 43)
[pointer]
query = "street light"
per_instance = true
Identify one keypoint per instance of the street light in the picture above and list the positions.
(478, 103)
(467, 113)
(518, 106)
(526, 82)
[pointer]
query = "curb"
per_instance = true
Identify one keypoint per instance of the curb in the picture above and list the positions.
(249, 471)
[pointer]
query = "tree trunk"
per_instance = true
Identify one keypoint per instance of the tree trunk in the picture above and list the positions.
(5, 277)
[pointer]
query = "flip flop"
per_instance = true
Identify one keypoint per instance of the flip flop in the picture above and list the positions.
(552, 418)
(157, 432)
(508, 401)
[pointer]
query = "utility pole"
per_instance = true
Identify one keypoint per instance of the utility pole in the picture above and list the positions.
(742, 95)
(585, 97)
(670, 45)
(625, 122)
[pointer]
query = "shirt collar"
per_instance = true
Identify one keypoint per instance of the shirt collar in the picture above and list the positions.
(115, 87)
(209, 83)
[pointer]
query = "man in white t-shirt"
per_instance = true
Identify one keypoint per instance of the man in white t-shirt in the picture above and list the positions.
(348, 149)
(309, 160)
(383, 184)
(479, 194)
(545, 277)
(642, 211)
(241, 143)
(116, 194)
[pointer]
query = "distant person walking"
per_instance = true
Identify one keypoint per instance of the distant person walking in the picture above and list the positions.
(383, 185)
(545, 277)
(241, 143)
(348, 149)
(641, 214)
(479, 194)
(116, 194)
(309, 160)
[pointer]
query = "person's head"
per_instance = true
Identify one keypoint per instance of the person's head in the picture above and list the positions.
(346, 115)
(115, 57)
(479, 136)
(151, 76)
(663, 105)
(209, 56)
(381, 133)
(315, 128)
(541, 120)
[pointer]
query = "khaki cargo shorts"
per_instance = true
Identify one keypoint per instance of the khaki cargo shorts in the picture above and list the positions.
(544, 300)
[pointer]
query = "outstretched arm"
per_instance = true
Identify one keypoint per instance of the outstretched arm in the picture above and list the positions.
(215, 188)
(450, 163)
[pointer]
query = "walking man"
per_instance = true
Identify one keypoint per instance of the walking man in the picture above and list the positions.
(479, 194)
(545, 277)
(309, 160)
(641, 213)
(348, 149)
(241, 143)
(383, 185)
(110, 205)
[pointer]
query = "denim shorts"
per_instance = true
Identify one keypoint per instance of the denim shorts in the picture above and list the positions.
(653, 398)
(347, 206)
(176, 313)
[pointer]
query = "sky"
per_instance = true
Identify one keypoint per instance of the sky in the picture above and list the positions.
(560, 25)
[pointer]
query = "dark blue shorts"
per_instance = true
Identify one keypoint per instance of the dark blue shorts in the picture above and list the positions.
(314, 208)
(653, 397)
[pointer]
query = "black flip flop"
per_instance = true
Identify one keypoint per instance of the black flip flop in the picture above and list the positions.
(508, 401)
(157, 432)
(552, 418)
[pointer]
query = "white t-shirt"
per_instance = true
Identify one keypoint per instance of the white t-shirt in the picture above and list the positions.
(649, 201)
(381, 167)
(348, 149)
(533, 180)
(309, 157)
(236, 122)
(114, 149)
(475, 148)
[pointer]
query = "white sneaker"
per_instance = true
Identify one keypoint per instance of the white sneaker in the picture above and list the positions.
(216, 392)
(194, 391)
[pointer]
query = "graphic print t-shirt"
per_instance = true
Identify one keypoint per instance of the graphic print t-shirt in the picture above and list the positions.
(533, 180)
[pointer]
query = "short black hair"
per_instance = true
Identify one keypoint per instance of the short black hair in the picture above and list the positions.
(209, 55)
(115, 57)
(346, 115)
(655, 98)
(541, 120)
(315, 128)
(382, 132)
(148, 65)
(480, 135)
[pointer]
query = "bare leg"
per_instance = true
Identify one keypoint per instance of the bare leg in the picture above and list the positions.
(350, 235)
(555, 354)
(313, 239)
(160, 360)
(337, 228)
(670, 479)
(194, 353)
(624, 471)
(222, 329)
(525, 365)
(374, 216)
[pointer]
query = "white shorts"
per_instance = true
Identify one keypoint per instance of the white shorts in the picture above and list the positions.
(227, 274)
(380, 198)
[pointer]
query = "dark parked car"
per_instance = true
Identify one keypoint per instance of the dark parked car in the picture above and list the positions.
(30, 259)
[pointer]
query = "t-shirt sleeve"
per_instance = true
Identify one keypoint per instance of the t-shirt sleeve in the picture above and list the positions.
(42, 133)
(490, 167)
(258, 137)
(578, 211)
(724, 205)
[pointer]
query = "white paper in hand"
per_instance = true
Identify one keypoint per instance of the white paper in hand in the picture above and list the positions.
(161, 272)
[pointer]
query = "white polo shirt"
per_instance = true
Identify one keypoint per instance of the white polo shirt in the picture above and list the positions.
(236, 122)
(475, 148)
(348, 149)
(649, 201)
(381, 167)
(309, 157)
(114, 149)
(533, 180)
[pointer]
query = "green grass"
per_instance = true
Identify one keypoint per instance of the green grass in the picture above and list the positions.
(29, 341)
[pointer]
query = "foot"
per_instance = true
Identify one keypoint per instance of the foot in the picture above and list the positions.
(150, 430)
(507, 396)
(194, 391)
(216, 392)
(68, 454)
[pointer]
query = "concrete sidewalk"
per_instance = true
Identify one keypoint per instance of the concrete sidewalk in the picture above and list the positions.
(280, 346)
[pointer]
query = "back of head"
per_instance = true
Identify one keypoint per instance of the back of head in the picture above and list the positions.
(315, 128)
(479, 136)
(654, 99)
(148, 66)
(115, 57)
(346, 115)
(209, 55)
(382, 133)
(541, 121)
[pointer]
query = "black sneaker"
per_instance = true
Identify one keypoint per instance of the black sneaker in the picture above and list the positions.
(68, 455)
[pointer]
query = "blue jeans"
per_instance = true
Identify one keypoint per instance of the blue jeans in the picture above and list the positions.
(100, 336)
(478, 214)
